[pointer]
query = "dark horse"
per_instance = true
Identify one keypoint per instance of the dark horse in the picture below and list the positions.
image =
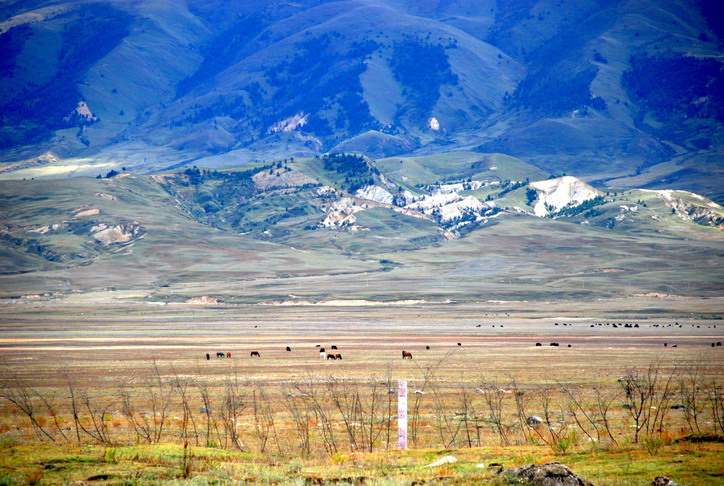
(255, 353)
(220, 354)
(406, 355)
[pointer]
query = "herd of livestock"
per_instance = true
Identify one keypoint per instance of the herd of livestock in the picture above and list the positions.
(408, 355)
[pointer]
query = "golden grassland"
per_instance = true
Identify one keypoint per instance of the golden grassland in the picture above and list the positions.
(114, 395)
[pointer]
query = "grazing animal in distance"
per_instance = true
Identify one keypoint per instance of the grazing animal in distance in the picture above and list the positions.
(538, 344)
(406, 355)
(460, 344)
(220, 354)
(555, 344)
(207, 356)
(331, 356)
(427, 347)
(334, 347)
(337, 356)
(255, 354)
(228, 354)
(288, 348)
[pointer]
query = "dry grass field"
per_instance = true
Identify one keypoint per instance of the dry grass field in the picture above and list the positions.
(110, 393)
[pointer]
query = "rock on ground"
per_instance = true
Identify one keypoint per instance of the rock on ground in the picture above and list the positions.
(550, 474)
(662, 481)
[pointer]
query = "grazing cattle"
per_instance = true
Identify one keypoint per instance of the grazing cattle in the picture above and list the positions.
(337, 356)
(406, 355)
(331, 356)
(460, 344)
(538, 344)
(207, 356)
(228, 354)
(555, 344)
(675, 346)
(334, 347)
(322, 355)
(718, 343)
(569, 345)
(255, 354)
(427, 347)
(288, 348)
(665, 344)
(220, 354)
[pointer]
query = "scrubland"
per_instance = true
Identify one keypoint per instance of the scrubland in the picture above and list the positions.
(120, 394)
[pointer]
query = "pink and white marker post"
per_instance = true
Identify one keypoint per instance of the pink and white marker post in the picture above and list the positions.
(402, 415)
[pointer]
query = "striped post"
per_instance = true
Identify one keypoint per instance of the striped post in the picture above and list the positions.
(402, 415)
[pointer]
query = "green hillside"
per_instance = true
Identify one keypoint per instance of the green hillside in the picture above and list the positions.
(292, 230)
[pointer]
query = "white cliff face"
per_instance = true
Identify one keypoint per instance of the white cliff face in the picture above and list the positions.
(289, 124)
(341, 215)
(561, 192)
(375, 193)
(449, 206)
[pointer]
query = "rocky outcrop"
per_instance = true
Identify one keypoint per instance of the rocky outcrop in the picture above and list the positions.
(449, 206)
(549, 474)
(120, 233)
(556, 194)
(375, 193)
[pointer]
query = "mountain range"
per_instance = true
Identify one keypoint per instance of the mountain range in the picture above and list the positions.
(160, 151)
(622, 93)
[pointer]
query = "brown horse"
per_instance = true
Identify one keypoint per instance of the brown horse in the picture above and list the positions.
(228, 354)
(331, 356)
(337, 356)
(255, 354)
(406, 355)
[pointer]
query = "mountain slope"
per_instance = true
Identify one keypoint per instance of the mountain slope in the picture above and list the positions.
(624, 92)
(313, 229)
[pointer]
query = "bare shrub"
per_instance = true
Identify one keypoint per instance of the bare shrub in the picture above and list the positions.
(149, 424)
(25, 398)
(647, 394)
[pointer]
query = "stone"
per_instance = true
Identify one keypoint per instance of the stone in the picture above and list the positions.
(662, 481)
(549, 474)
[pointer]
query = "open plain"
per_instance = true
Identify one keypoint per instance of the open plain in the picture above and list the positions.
(335, 420)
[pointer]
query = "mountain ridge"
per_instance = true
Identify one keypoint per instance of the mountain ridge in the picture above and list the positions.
(182, 84)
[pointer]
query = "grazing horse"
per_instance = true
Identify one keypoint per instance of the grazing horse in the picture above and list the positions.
(460, 344)
(228, 354)
(255, 354)
(538, 344)
(334, 347)
(331, 356)
(220, 354)
(406, 355)
(427, 347)
(208, 357)
(288, 348)
(337, 356)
